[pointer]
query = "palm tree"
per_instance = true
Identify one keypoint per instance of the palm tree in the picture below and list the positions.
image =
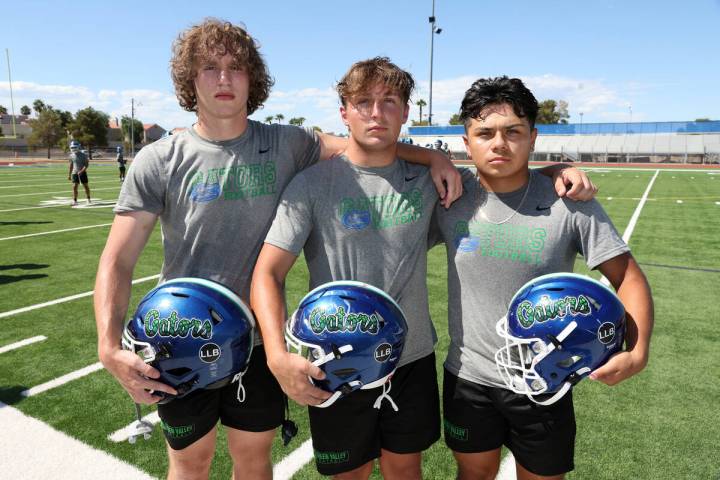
(297, 121)
(280, 117)
(39, 106)
(269, 118)
(420, 103)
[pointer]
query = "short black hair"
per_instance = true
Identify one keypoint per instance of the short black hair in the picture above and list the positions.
(496, 91)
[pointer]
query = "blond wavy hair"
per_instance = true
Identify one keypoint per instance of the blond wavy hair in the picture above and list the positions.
(365, 74)
(216, 38)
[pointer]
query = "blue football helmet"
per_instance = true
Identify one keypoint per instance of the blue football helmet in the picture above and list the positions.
(559, 328)
(353, 331)
(74, 145)
(196, 332)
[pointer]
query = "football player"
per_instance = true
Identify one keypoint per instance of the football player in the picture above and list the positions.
(77, 170)
(508, 228)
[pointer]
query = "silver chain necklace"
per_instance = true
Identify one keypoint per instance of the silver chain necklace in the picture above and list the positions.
(522, 201)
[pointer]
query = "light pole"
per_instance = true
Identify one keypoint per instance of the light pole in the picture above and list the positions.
(433, 31)
(132, 127)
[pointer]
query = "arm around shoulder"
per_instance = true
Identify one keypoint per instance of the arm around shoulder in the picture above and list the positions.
(633, 289)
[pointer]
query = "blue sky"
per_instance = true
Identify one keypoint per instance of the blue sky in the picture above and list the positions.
(612, 60)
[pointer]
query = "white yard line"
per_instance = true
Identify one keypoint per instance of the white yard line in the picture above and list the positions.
(55, 184)
(635, 216)
(55, 231)
(22, 343)
(65, 299)
(297, 459)
(33, 208)
(507, 468)
(124, 433)
(30, 448)
(44, 387)
(61, 191)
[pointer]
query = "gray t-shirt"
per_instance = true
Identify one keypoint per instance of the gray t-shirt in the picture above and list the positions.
(78, 161)
(216, 200)
(488, 263)
(368, 225)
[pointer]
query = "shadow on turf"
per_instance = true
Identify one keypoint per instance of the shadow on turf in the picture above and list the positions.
(3, 224)
(24, 266)
(5, 279)
(12, 395)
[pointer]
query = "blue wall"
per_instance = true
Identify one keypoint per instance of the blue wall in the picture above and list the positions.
(591, 128)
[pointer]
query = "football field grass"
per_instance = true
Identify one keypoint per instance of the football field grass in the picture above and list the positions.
(661, 424)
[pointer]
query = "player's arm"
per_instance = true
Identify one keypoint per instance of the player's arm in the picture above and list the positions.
(268, 303)
(570, 182)
(70, 170)
(444, 174)
(632, 287)
(128, 235)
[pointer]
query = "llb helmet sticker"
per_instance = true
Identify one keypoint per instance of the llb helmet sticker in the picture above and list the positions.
(210, 352)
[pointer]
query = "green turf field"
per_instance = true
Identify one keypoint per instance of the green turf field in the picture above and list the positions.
(662, 424)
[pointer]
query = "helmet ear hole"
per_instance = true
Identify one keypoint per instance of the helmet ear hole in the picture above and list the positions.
(179, 372)
(216, 317)
(344, 372)
(569, 361)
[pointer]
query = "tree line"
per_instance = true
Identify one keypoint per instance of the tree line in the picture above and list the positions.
(53, 127)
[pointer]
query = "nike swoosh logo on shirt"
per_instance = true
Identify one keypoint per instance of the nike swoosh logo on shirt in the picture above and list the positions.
(540, 208)
(411, 178)
(264, 150)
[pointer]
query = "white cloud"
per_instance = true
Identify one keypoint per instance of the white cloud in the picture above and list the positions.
(151, 106)
(596, 98)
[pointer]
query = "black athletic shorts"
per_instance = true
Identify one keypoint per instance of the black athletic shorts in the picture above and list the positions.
(82, 178)
(350, 432)
(186, 420)
(478, 418)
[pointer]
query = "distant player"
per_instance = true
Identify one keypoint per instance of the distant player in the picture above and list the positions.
(77, 170)
(121, 162)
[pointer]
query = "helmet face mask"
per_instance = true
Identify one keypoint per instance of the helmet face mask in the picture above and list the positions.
(197, 333)
(354, 332)
(559, 328)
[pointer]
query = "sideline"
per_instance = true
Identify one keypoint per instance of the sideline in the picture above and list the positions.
(30, 448)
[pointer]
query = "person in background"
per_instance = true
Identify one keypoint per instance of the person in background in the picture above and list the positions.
(77, 171)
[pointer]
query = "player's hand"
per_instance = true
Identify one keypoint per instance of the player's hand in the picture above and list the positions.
(135, 376)
(69, 178)
(573, 183)
(292, 371)
(621, 366)
(446, 178)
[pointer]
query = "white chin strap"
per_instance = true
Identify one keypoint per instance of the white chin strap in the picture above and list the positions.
(323, 360)
(563, 390)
